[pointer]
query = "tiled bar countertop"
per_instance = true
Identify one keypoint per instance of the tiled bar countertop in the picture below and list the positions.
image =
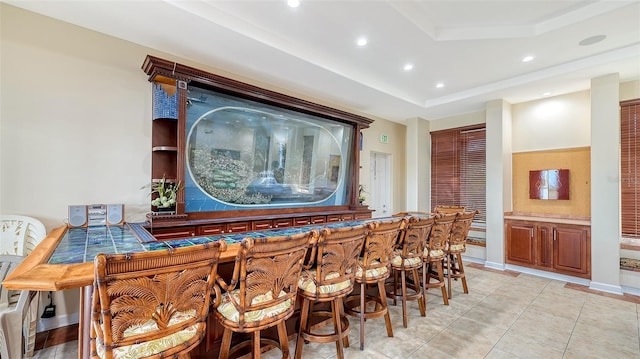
(79, 245)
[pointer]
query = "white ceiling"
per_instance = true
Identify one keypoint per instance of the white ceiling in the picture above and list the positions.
(474, 47)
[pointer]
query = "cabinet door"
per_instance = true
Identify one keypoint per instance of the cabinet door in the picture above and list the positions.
(572, 252)
(544, 246)
(520, 243)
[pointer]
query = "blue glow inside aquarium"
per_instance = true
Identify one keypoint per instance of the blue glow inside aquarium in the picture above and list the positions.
(242, 154)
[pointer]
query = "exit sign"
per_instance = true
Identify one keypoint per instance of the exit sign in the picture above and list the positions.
(384, 139)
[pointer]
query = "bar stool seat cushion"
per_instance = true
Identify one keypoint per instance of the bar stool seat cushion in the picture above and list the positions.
(373, 272)
(307, 283)
(434, 254)
(154, 346)
(457, 248)
(398, 261)
(229, 311)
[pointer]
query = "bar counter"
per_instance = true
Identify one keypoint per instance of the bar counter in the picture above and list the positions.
(64, 259)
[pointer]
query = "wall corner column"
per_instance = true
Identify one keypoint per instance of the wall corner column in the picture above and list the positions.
(418, 166)
(605, 183)
(498, 186)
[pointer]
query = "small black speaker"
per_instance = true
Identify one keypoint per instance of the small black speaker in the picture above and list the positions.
(78, 216)
(115, 214)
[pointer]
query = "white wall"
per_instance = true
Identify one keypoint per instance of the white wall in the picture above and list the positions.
(395, 147)
(552, 123)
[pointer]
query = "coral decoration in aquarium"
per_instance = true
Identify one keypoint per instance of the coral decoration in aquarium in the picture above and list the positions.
(244, 154)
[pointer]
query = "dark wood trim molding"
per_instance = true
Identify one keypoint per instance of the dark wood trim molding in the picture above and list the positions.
(154, 66)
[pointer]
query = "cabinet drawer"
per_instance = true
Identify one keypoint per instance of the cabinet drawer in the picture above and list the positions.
(282, 223)
(348, 217)
(302, 221)
(334, 218)
(363, 215)
(173, 233)
(238, 227)
(318, 219)
(261, 225)
(211, 230)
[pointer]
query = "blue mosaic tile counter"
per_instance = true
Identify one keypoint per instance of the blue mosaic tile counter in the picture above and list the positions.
(80, 245)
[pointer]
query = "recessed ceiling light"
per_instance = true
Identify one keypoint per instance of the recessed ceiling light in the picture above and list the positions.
(408, 67)
(439, 85)
(293, 3)
(592, 40)
(546, 94)
(527, 58)
(362, 41)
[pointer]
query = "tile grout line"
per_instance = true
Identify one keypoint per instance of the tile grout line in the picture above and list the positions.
(564, 353)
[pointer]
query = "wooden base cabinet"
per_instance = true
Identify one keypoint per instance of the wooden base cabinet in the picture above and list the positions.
(557, 247)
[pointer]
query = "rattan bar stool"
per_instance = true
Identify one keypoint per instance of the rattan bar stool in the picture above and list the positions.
(449, 209)
(262, 291)
(457, 246)
(153, 304)
(328, 277)
(374, 268)
(435, 255)
(408, 259)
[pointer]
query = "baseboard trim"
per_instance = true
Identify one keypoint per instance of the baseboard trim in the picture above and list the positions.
(495, 265)
(615, 289)
(550, 275)
(58, 321)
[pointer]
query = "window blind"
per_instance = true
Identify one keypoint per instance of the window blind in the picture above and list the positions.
(630, 167)
(458, 168)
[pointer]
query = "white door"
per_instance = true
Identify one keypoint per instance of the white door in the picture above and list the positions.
(379, 196)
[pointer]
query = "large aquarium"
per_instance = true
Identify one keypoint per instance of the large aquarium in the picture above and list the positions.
(243, 154)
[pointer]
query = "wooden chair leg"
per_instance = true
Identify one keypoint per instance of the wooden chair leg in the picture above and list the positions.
(383, 298)
(304, 318)
(450, 272)
(341, 313)
(421, 299)
(226, 344)
(461, 270)
(445, 296)
(255, 344)
(403, 283)
(363, 311)
(337, 325)
(395, 285)
(284, 340)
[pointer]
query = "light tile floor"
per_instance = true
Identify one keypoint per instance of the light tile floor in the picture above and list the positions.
(505, 315)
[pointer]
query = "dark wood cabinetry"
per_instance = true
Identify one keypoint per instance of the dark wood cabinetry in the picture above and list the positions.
(171, 85)
(172, 229)
(164, 148)
(552, 246)
(572, 250)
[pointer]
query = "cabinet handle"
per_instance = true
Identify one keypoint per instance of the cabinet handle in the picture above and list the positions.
(554, 234)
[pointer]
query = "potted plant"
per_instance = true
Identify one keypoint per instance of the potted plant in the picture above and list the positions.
(361, 192)
(167, 194)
